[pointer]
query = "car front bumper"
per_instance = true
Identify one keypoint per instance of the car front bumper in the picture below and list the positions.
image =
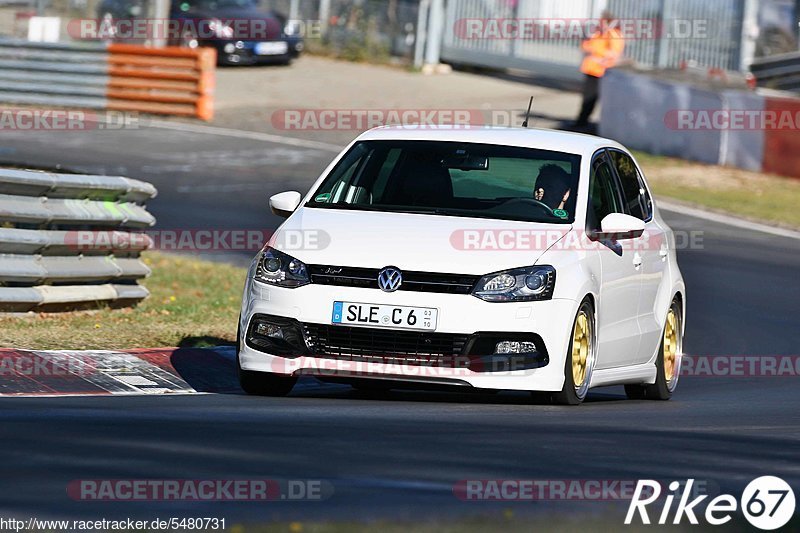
(462, 315)
(239, 52)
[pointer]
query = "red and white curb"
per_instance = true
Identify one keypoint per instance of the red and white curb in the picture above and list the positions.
(32, 373)
(106, 372)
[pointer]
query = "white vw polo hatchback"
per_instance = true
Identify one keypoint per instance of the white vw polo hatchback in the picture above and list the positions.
(491, 258)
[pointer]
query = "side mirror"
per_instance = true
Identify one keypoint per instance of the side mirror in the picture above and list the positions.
(283, 204)
(618, 226)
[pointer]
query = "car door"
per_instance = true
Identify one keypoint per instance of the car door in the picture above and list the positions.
(652, 247)
(618, 302)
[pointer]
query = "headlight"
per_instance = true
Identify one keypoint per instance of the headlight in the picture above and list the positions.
(291, 28)
(518, 285)
(278, 268)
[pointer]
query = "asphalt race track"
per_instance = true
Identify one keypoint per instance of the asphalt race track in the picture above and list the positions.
(387, 456)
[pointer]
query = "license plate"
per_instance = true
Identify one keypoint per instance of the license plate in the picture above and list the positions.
(271, 49)
(387, 316)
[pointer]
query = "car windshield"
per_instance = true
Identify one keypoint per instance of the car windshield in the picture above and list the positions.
(455, 179)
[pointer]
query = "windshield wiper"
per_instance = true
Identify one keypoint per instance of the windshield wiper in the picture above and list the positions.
(432, 211)
(342, 205)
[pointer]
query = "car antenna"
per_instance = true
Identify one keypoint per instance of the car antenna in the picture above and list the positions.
(527, 113)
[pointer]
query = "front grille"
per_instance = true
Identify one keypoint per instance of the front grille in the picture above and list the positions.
(381, 345)
(412, 281)
(344, 276)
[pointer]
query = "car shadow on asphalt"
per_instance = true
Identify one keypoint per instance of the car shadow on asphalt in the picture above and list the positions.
(206, 370)
(442, 395)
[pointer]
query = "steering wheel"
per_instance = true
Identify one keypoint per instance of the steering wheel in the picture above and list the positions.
(530, 202)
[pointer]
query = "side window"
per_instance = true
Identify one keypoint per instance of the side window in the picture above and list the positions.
(637, 201)
(603, 194)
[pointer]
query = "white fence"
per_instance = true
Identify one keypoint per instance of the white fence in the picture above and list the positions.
(708, 33)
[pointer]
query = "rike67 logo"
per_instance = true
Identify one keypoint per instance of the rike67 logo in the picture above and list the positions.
(767, 503)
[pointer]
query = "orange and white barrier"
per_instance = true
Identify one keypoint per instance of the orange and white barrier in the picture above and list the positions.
(171, 80)
(116, 77)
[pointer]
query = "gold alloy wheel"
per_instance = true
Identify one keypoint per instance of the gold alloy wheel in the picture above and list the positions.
(581, 344)
(670, 345)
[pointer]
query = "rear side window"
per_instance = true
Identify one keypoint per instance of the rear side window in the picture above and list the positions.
(637, 201)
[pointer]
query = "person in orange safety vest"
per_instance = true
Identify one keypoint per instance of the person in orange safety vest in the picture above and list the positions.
(603, 51)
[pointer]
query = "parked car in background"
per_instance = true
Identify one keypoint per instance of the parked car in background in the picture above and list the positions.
(242, 32)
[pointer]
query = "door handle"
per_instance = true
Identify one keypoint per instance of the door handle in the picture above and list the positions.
(637, 260)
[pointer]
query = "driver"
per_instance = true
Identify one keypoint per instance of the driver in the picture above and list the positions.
(552, 186)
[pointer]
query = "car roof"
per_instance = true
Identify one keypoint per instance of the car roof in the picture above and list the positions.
(539, 138)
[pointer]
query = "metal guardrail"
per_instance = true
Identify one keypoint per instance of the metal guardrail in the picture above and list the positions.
(120, 77)
(71, 240)
(781, 72)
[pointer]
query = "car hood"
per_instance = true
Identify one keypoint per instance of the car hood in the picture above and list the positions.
(428, 243)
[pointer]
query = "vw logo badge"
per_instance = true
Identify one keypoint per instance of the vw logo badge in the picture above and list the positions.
(390, 279)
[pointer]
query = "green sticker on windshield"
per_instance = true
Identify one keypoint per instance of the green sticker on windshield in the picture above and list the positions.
(324, 197)
(560, 213)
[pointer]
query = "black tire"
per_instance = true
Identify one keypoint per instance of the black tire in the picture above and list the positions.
(568, 395)
(660, 390)
(262, 383)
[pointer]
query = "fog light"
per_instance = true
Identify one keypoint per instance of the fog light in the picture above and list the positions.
(284, 337)
(504, 347)
(239, 45)
(269, 330)
(229, 48)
